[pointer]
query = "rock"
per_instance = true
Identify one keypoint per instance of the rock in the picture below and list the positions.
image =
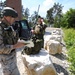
(53, 47)
(56, 38)
(39, 64)
(52, 37)
(20, 64)
(46, 39)
(56, 32)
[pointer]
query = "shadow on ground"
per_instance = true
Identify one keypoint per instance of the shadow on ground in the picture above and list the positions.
(60, 69)
(47, 33)
(60, 56)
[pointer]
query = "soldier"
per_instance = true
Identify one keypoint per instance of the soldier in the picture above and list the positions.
(8, 43)
(39, 30)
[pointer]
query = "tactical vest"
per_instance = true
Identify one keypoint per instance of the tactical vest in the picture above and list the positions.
(38, 31)
(10, 37)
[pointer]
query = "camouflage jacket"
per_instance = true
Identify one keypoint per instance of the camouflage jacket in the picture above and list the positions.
(39, 31)
(8, 38)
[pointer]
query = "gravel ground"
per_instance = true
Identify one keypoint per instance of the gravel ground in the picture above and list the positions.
(60, 60)
(60, 63)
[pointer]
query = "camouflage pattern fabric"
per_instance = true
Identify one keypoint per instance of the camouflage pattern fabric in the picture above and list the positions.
(33, 50)
(37, 39)
(40, 33)
(9, 37)
(8, 64)
(38, 29)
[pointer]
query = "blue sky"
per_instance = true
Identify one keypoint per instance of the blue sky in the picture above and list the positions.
(46, 4)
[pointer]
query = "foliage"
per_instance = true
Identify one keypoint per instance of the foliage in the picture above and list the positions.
(68, 19)
(50, 16)
(69, 38)
(34, 17)
(25, 13)
(56, 17)
(71, 58)
(63, 22)
(54, 14)
(71, 17)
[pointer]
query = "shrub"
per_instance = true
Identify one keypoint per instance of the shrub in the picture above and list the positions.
(69, 38)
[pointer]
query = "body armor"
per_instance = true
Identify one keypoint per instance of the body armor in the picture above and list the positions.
(10, 37)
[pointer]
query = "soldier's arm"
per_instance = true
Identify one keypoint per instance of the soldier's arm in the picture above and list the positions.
(33, 27)
(44, 26)
(6, 49)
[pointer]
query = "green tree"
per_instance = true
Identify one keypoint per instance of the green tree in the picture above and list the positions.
(64, 21)
(68, 19)
(25, 13)
(50, 16)
(34, 16)
(54, 14)
(70, 16)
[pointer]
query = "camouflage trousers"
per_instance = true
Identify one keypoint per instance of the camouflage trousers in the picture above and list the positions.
(8, 64)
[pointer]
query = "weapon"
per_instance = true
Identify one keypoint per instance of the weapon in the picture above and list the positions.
(35, 17)
(37, 12)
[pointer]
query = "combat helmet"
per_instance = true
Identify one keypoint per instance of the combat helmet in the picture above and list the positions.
(8, 11)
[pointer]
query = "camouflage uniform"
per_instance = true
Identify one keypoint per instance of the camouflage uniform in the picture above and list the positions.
(39, 32)
(7, 55)
(37, 38)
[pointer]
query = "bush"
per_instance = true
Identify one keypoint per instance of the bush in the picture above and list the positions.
(69, 38)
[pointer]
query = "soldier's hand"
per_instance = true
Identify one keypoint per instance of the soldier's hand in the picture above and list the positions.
(19, 44)
(32, 31)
